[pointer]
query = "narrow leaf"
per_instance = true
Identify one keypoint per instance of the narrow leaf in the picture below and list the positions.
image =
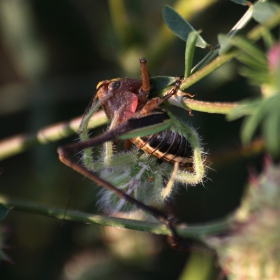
(248, 47)
(252, 122)
(256, 78)
(247, 107)
(271, 132)
(252, 62)
(189, 54)
(180, 27)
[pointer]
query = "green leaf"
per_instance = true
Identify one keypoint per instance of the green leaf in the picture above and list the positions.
(248, 47)
(255, 77)
(3, 211)
(252, 62)
(271, 133)
(189, 54)
(245, 45)
(160, 82)
(262, 12)
(261, 111)
(252, 122)
(240, 2)
(268, 38)
(224, 43)
(246, 107)
(180, 27)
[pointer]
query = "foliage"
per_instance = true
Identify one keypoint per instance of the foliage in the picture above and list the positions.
(263, 71)
(261, 68)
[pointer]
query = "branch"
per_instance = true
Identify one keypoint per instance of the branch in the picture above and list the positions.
(19, 143)
(196, 231)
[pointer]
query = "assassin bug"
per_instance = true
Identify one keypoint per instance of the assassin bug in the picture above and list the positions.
(134, 180)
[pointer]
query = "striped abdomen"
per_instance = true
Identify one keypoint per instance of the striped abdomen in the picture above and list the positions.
(167, 145)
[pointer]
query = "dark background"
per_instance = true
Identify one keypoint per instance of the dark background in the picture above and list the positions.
(52, 55)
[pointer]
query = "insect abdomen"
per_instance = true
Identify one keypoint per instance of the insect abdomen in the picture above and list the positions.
(167, 145)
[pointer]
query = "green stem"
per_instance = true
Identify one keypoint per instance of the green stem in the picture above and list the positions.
(209, 107)
(234, 31)
(253, 35)
(217, 107)
(212, 66)
(197, 231)
(21, 142)
(202, 106)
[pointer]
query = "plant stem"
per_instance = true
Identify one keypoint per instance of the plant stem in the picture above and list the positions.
(197, 231)
(220, 108)
(21, 142)
(235, 30)
(253, 35)
(209, 107)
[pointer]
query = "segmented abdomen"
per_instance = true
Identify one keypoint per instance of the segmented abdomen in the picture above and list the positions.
(167, 145)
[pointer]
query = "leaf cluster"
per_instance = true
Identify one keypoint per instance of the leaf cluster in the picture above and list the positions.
(262, 111)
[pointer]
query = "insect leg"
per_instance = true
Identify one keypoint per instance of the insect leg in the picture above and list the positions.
(65, 157)
(155, 102)
(167, 190)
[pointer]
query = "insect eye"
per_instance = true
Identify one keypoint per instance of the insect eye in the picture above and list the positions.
(114, 85)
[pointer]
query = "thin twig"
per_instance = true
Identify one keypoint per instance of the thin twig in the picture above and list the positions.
(21, 142)
(195, 231)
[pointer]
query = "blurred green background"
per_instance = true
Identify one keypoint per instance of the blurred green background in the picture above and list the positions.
(52, 55)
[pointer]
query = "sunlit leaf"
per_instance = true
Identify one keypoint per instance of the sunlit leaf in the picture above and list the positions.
(180, 26)
(262, 12)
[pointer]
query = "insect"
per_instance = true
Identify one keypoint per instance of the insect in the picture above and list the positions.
(134, 180)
